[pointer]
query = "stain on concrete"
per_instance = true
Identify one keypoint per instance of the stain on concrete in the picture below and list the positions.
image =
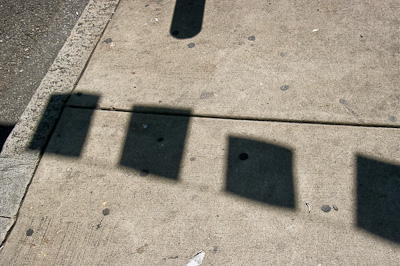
(207, 95)
(215, 249)
(142, 249)
(392, 118)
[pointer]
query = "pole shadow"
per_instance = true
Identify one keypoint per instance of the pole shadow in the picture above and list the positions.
(378, 197)
(70, 135)
(187, 19)
(155, 141)
(260, 171)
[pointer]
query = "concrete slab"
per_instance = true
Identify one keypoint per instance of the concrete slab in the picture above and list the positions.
(239, 194)
(5, 225)
(335, 62)
(16, 174)
(27, 141)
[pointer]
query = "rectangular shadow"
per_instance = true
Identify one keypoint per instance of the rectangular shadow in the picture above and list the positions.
(155, 141)
(69, 138)
(260, 171)
(378, 198)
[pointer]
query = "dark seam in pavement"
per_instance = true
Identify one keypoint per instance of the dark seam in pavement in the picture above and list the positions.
(326, 123)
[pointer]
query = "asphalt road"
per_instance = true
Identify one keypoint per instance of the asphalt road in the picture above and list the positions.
(32, 32)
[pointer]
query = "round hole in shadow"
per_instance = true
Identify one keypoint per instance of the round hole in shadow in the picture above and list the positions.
(175, 32)
(243, 156)
(161, 139)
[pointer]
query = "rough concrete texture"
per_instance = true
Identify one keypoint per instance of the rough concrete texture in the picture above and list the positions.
(101, 207)
(331, 62)
(16, 173)
(61, 77)
(29, 137)
(5, 225)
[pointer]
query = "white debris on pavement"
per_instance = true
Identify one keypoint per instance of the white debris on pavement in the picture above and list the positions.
(197, 260)
(315, 30)
(309, 206)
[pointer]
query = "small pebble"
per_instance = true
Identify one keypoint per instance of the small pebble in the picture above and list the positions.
(285, 87)
(106, 211)
(325, 208)
(191, 45)
(193, 159)
(335, 207)
(251, 38)
(29, 232)
(109, 40)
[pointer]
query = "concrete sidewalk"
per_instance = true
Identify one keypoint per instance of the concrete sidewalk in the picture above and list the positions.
(213, 134)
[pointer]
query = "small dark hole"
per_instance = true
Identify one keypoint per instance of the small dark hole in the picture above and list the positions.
(175, 32)
(106, 211)
(361, 36)
(243, 156)
(29, 232)
(160, 139)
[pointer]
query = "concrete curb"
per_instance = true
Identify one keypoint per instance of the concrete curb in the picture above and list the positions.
(18, 161)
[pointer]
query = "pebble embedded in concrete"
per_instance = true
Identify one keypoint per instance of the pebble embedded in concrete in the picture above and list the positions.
(29, 232)
(106, 211)
(285, 87)
(325, 208)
